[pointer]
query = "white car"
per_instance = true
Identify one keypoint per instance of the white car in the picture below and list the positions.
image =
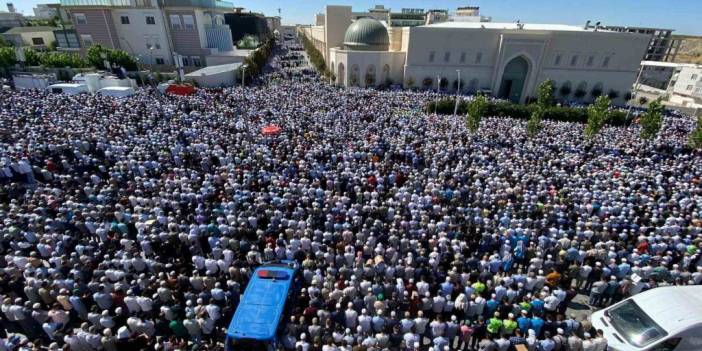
(662, 319)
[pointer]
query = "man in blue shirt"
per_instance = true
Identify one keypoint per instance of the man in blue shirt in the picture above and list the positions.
(524, 322)
(537, 323)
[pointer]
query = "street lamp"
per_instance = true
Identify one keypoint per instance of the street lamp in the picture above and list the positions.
(458, 91)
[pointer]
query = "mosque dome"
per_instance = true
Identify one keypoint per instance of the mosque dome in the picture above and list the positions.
(366, 34)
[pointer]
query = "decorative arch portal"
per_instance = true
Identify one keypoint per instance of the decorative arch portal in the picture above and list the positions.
(369, 77)
(353, 76)
(385, 75)
(341, 75)
(513, 79)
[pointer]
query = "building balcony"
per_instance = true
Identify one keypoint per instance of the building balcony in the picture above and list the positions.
(219, 37)
(107, 3)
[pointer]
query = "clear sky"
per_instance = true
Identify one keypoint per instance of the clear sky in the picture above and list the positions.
(681, 15)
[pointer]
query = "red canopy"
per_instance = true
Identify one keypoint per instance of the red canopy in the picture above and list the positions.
(270, 129)
(183, 90)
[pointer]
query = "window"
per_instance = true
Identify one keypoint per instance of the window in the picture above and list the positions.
(175, 22)
(633, 324)
(694, 77)
(37, 41)
(557, 62)
(189, 21)
(87, 40)
(447, 56)
(590, 60)
(124, 19)
(160, 61)
(196, 62)
(605, 63)
(463, 57)
(574, 60)
(186, 61)
(431, 56)
(150, 20)
(478, 57)
(689, 87)
(80, 18)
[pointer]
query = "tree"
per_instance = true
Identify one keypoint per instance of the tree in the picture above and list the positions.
(95, 56)
(534, 123)
(597, 115)
(544, 95)
(4, 43)
(652, 120)
(455, 84)
(696, 135)
(122, 58)
(476, 109)
(31, 57)
(612, 94)
(7, 57)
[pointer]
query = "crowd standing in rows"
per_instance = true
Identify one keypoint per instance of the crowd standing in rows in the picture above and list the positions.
(135, 224)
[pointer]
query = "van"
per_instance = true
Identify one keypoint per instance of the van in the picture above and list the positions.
(662, 319)
(68, 88)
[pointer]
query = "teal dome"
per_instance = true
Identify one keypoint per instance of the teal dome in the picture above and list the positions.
(366, 34)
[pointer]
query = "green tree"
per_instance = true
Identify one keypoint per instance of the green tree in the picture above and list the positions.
(696, 135)
(4, 43)
(597, 115)
(544, 95)
(476, 109)
(534, 124)
(7, 57)
(652, 120)
(122, 58)
(94, 56)
(31, 57)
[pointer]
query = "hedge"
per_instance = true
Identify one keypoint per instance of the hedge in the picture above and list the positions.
(508, 109)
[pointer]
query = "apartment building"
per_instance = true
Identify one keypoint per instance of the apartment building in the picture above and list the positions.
(155, 31)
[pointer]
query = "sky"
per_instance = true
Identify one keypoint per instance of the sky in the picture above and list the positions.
(681, 15)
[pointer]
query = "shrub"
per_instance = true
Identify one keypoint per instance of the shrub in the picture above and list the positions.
(314, 55)
(565, 90)
(579, 93)
(613, 94)
(426, 83)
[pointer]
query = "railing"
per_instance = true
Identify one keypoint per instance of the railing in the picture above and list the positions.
(199, 3)
(108, 3)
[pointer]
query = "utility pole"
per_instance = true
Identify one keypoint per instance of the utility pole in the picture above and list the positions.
(438, 84)
(458, 92)
(633, 94)
(243, 74)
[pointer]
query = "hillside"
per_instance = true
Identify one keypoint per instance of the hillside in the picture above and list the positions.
(690, 50)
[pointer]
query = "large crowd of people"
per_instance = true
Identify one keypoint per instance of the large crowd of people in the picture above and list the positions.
(135, 224)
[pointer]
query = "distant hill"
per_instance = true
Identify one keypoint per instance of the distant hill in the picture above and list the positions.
(690, 49)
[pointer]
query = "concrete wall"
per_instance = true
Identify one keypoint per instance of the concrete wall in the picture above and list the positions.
(336, 20)
(381, 65)
(609, 60)
(689, 77)
(135, 36)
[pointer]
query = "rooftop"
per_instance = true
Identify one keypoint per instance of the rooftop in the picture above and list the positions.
(134, 3)
(497, 25)
(33, 29)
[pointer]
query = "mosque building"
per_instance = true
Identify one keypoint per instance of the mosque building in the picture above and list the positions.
(507, 60)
